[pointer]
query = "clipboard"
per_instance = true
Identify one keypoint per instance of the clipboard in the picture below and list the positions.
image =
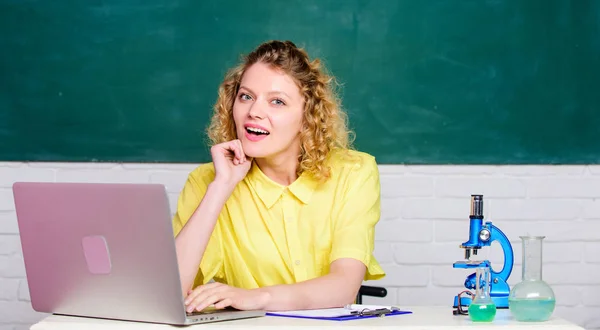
(351, 312)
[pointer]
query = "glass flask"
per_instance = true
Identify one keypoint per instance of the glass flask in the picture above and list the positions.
(482, 307)
(532, 299)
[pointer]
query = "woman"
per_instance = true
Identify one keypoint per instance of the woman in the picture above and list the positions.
(284, 216)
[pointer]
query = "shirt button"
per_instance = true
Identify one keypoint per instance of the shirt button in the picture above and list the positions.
(297, 262)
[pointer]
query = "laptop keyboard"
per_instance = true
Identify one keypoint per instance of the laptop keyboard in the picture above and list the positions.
(209, 310)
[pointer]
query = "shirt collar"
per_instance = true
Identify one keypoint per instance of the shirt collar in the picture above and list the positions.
(303, 188)
(269, 191)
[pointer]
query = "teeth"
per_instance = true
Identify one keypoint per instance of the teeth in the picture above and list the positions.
(256, 130)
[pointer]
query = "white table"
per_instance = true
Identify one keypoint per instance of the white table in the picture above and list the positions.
(421, 318)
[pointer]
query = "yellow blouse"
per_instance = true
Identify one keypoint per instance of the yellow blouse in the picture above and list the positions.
(270, 234)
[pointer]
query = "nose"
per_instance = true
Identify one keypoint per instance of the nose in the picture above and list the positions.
(256, 111)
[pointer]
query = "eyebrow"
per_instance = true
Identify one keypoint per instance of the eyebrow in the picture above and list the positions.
(270, 93)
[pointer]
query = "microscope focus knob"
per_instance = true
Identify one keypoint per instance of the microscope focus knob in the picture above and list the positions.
(484, 235)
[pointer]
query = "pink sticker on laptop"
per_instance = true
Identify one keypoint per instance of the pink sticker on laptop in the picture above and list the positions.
(96, 254)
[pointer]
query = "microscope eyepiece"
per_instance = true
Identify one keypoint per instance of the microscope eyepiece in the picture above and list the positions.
(476, 206)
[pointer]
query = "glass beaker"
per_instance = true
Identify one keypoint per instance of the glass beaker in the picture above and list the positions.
(482, 307)
(532, 299)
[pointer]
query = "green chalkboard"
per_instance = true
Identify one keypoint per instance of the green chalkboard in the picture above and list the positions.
(424, 82)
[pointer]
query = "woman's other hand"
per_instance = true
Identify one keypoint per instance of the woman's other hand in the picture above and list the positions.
(222, 295)
(231, 164)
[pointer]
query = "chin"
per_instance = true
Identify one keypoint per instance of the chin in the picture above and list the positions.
(254, 150)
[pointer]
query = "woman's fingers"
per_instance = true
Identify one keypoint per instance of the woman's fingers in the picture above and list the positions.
(199, 289)
(224, 303)
(213, 298)
(241, 149)
(204, 296)
(217, 299)
(201, 302)
(233, 150)
(236, 147)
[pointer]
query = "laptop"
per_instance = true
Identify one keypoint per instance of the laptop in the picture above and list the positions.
(104, 250)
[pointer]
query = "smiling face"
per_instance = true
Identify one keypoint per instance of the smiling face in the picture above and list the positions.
(268, 113)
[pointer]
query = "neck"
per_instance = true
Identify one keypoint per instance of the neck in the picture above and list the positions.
(280, 170)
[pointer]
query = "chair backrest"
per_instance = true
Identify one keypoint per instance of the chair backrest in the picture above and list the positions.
(372, 291)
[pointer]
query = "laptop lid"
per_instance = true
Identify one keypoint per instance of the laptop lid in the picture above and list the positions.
(102, 250)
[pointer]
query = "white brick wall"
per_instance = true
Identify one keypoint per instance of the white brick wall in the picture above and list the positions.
(424, 219)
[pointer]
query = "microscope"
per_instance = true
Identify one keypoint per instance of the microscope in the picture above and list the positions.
(483, 234)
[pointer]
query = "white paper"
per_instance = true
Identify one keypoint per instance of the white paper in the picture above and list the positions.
(370, 307)
(328, 312)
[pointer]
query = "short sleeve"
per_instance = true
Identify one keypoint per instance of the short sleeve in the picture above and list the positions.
(190, 197)
(354, 225)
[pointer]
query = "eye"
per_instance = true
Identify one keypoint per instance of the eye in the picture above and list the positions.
(245, 97)
(278, 102)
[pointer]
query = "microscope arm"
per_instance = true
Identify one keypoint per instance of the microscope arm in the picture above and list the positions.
(498, 278)
(499, 236)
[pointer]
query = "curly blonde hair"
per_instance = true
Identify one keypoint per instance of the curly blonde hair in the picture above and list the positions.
(324, 124)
